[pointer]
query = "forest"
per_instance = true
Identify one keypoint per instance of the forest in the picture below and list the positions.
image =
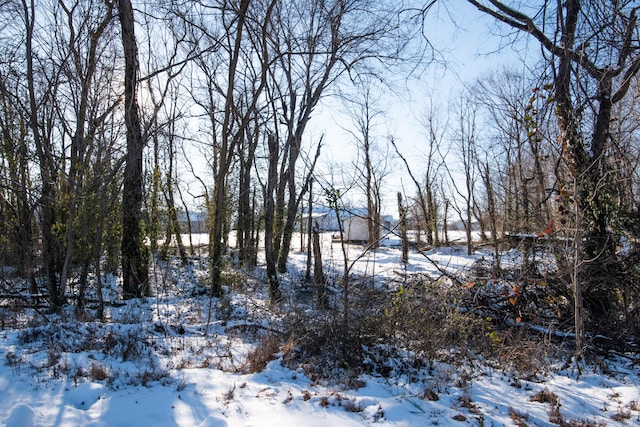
(149, 144)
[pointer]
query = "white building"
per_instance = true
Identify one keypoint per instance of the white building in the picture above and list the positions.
(354, 222)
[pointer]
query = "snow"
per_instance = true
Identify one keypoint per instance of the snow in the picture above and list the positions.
(162, 371)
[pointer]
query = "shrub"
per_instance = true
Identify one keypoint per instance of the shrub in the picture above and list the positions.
(262, 354)
(424, 316)
(98, 372)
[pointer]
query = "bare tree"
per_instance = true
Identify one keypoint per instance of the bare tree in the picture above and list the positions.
(246, 239)
(465, 140)
(370, 165)
(317, 43)
(593, 54)
(84, 43)
(230, 96)
(428, 195)
(59, 76)
(269, 220)
(518, 138)
(402, 211)
(38, 109)
(16, 202)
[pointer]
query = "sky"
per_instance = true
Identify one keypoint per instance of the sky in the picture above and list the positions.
(469, 46)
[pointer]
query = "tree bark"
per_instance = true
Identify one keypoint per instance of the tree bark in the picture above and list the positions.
(318, 274)
(485, 172)
(269, 221)
(246, 213)
(402, 211)
(135, 262)
(309, 232)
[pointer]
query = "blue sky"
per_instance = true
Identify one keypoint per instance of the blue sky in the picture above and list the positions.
(469, 48)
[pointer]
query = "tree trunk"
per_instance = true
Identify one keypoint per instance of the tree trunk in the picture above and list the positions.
(318, 275)
(246, 214)
(135, 263)
(269, 221)
(492, 212)
(467, 227)
(173, 224)
(226, 151)
(373, 219)
(293, 202)
(292, 205)
(217, 244)
(50, 255)
(402, 211)
(173, 220)
(24, 230)
(187, 214)
(154, 199)
(309, 232)
(430, 218)
(577, 277)
(445, 222)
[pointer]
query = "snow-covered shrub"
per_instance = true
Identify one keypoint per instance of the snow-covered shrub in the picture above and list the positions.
(424, 316)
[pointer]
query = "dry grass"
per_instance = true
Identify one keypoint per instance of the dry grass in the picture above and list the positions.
(519, 420)
(262, 354)
(353, 406)
(466, 402)
(229, 394)
(430, 394)
(555, 417)
(425, 319)
(622, 415)
(98, 372)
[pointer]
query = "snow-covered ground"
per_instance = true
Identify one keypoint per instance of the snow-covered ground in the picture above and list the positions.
(150, 364)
